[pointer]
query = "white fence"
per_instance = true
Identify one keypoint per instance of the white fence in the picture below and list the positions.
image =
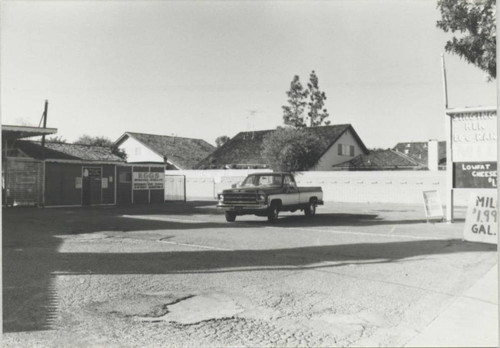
(338, 186)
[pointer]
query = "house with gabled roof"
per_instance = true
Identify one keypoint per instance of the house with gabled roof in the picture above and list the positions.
(340, 144)
(175, 152)
(381, 160)
(419, 151)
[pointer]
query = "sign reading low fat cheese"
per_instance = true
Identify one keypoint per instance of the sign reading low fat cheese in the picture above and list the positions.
(148, 180)
(475, 175)
(481, 218)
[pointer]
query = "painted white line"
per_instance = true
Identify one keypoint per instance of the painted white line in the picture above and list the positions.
(195, 245)
(390, 235)
(159, 218)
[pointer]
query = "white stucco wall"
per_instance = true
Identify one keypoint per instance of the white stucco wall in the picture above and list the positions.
(137, 152)
(332, 157)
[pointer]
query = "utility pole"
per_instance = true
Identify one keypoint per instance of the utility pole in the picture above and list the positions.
(43, 151)
(449, 159)
(44, 122)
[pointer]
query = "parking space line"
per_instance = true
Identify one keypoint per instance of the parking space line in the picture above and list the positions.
(391, 235)
(195, 245)
(159, 218)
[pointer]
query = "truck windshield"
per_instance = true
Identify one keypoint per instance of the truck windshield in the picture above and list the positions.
(262, 180)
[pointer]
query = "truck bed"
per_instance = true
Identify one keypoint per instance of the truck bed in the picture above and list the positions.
(305, 189)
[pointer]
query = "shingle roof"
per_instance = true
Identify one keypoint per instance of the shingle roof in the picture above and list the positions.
(246, 147)
(62, 151)
(380, 160)
(419, 151)
(184, 152)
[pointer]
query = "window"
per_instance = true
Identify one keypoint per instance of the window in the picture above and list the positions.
(125, 177)
(289, 180)
(346, 150)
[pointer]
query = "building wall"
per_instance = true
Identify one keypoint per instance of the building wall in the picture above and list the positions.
(127, 194)
(23, 181)
(331, 157)
(123, 185)
(108, 194)
(61, 184)
(338, 186)
(137, 152)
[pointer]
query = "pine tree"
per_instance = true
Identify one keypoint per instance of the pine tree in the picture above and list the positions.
(293, 114)
(317, 98)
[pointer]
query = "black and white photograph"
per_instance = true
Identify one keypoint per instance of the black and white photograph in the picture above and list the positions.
(268, 173)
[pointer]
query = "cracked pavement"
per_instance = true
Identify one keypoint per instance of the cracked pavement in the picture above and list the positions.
(178, 275)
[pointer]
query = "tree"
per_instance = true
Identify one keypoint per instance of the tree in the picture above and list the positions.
(97, 140)
(475, 21)
(291, 149)
(221, 140)
(57, 139)
(293, 114)
(101, 141)
(317, 100)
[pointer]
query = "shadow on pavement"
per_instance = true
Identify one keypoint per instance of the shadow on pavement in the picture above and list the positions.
(31, 259)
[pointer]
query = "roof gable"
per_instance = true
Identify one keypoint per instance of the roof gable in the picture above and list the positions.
(380, 160)
(183, 152)
(419, 150)
(64, 151)
(246, 147)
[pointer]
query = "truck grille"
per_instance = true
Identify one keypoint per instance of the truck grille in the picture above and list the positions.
(240, 198)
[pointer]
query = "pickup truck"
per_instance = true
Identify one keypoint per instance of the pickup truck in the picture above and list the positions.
(266, 194)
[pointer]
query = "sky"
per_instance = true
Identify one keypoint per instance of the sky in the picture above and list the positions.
(205, 69)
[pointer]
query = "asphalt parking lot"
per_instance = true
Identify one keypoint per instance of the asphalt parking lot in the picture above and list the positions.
(179, 275)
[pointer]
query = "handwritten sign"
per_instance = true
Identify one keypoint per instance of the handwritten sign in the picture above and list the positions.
(432, 205)
(148, 180)
(481, 218)
(475, 175)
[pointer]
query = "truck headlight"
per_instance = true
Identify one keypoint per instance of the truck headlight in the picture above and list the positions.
(261, 197)
(221, 197)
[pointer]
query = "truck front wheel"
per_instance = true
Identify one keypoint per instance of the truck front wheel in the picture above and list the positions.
(310, 210)
(273, 212)
(230, 217)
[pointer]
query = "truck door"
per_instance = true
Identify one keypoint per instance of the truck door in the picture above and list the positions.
(291, 196)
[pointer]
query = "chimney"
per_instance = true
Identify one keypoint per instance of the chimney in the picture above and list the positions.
(433, 155)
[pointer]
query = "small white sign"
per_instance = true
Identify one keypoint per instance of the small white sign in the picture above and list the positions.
(148, 180)
(78, 182)
(481, 219)
(432, 205)
(104, 183)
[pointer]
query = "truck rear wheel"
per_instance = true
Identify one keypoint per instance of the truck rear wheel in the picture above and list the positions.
(310, 210)
(230, 217)
(273, 212)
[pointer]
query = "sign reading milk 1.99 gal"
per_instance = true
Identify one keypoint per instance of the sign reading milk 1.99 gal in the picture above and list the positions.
(481, 219)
